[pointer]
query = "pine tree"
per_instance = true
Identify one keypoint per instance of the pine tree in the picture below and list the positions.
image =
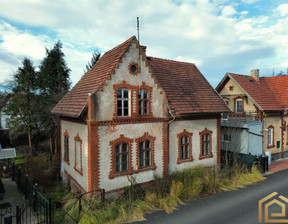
(23, 106)
(95, 57)
(54, 83)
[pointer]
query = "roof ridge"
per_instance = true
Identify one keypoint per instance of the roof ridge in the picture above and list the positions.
(182, 62)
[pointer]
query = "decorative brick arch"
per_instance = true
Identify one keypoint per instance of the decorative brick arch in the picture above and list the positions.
(146, 136)
(79, 169)
(201, 134)
(113, 143)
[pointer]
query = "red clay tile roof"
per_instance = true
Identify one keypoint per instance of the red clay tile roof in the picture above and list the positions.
(73, 103)
(279, 86)
(186, 88)
(260, 91)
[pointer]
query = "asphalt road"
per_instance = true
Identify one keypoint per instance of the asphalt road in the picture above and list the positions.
(235, 207)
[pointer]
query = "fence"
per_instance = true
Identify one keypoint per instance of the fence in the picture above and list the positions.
(70, 210)
(36, 204)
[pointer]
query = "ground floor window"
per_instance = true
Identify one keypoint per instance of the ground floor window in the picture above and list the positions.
(205, 144)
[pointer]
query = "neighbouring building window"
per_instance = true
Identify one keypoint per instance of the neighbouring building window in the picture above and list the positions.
(205, 144)
(121, 157)
(143, 102)
(7, 123)
(145, 152)
(239, 105)
(123, 102)
(226, 140)
(78, 154)
(270, 136)
(184, 147)
(121, 153)
(66, 147)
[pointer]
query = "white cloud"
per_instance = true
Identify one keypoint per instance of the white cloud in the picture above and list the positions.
(283, 9)
(228, 11)
(211, 34)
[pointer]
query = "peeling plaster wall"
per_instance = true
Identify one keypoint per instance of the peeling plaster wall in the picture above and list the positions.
(105, 98)
(109, 133)
(73, 129)
(194, 127)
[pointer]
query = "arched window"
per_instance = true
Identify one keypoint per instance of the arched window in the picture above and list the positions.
(145, 152)
(205, 144)
(184, 147)
(121, 157)
(270, 140)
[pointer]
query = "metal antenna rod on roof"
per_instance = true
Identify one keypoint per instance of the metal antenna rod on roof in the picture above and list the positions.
(139, 43)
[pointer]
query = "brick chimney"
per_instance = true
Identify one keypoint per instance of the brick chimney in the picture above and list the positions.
(255, 74)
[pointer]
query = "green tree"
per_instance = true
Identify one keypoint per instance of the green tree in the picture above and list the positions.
(54, 83)
(23, 106)
(95, 57)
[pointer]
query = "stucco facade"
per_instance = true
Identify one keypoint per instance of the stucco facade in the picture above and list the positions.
(128, 126)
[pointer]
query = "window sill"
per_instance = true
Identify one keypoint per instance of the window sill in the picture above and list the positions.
(270, 146)
(179, 161)
(66, 161)
(145, 169)
(78, 171)
(205, 157)
(113, 175)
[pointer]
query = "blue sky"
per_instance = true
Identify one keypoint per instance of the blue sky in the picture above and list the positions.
(219, 36)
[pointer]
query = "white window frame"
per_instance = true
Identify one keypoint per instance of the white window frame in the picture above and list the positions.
(270, 136)
(236, 106)
(123, 99)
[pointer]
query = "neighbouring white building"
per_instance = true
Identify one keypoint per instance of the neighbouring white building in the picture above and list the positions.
(137, 115)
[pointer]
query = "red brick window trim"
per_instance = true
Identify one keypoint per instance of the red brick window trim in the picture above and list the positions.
(145, 153)
(184, 147)
(66, 148)
(238, 105)
(270, 137)
(133, 68)
(121, 157)
(121, 99)
(144, 99)
(205, 144)
(78, 154)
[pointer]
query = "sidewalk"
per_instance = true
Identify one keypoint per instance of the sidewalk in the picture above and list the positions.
(12, 194)
(278, 165)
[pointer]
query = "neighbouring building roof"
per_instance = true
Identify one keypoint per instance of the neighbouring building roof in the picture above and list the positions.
(262, 92)
(187, 90)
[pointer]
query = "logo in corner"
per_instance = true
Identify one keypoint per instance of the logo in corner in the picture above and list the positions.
(265, 203)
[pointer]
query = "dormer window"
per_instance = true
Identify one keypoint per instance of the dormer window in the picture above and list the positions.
(122, 102)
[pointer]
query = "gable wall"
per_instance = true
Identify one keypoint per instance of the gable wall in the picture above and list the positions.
(227, 93)
(105, 99)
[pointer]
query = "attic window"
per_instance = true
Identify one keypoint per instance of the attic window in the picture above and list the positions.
(133, 68)
(231, 88)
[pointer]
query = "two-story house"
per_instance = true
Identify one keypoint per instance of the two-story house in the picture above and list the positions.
(264, 99)
(137, 115)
